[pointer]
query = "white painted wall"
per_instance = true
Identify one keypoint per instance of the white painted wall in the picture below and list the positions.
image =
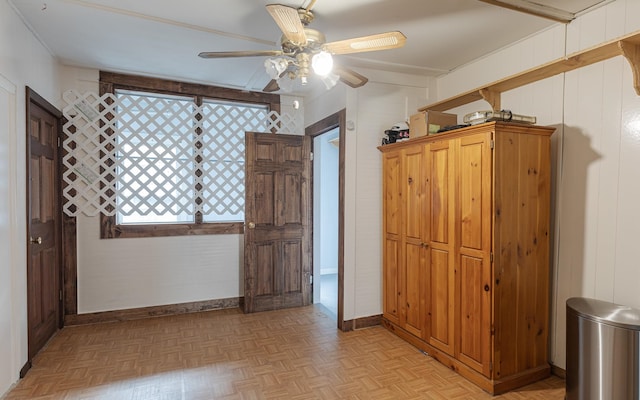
(23, 61)
(596, 155)
(116, 274)
(321, 104)
(8, 293)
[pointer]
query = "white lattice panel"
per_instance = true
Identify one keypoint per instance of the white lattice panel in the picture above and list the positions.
(148, 156)
(89, 162)
(155, 156)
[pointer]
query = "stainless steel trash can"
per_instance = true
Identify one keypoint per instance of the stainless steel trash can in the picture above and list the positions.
(603, 353)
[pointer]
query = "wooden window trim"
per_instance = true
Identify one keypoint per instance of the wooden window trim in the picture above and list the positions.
(109, 83)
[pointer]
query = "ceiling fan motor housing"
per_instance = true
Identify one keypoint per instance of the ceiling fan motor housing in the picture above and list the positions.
(315, 40)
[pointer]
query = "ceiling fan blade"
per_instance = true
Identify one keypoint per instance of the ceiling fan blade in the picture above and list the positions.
(228, 54)
(272, 86)
(350, 77)
(381, 41)
(288, 20)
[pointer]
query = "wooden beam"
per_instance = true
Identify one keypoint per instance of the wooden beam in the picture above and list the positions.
(628, 45)
(631, 51)
(492, 97)
(539, 10)
(453, 102)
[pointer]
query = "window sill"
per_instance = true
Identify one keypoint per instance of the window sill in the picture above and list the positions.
(112, 231)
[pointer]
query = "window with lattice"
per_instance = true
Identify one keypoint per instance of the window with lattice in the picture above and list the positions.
(179, 162)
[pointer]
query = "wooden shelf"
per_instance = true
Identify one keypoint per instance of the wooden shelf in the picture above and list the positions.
(627, 46)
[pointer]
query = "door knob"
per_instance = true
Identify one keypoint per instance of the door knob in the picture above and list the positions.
(37, 240)
(251, 225)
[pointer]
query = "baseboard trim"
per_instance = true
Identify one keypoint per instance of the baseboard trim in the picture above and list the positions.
(25, 368)
(559, 372)
(154, 311)
(346, 326)
(360, 323)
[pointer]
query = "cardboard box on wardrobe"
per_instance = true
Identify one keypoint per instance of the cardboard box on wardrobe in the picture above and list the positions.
(429, 122)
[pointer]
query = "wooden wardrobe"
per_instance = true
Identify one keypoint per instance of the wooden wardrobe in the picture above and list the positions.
(466, 250)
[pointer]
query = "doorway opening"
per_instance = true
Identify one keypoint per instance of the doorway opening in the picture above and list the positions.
(326, 157)
(335, 124)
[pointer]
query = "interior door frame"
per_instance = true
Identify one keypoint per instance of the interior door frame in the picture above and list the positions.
(33, 98)
(337, 120)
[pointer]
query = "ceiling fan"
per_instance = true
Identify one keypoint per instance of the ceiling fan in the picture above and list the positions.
(304, 49)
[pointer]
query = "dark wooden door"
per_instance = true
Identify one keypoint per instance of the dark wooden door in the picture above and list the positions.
(277, 240)
(43, 229)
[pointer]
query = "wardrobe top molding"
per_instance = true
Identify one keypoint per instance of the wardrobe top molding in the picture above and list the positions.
(627, 46)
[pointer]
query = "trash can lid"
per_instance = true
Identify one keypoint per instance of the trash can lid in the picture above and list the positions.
(605, 312)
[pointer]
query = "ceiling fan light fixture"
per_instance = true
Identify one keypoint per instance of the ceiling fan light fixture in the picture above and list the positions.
(322, 63)
(275, 67)
(330, 80)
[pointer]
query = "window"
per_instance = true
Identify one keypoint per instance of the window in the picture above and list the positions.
(222, 167)
(179, 156)
(175, 160)
(155, 158)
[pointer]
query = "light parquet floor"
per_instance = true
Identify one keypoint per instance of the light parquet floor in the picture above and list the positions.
(286, 354)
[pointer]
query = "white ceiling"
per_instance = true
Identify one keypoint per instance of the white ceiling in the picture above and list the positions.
(163, 37)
